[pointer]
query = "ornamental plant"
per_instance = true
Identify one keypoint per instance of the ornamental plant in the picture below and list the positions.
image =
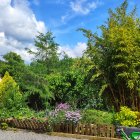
(62, 106)
(127, 117)
(64, 113)
(73, 116)
(96, 117)
(10, 96)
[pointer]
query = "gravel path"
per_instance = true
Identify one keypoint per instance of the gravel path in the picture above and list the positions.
(24, 135)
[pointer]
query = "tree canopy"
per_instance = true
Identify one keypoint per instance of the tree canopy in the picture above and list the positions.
(116, 57)
(106, 77)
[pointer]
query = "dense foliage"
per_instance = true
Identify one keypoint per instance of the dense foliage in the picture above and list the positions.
(97, 117)
(10, 96)
(105, 78)
(127, 117)
(116, 57)
(64, 113)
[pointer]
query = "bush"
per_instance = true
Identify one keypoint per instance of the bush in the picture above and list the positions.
(4, 126)
(58, 114)
(72, 116)
(22, 113)
(62, 106)
(64, 113)
(97, 117)
(127, 117)
(9, 93)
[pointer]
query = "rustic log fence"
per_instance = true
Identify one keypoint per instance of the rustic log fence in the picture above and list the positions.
(86, 129)
(30, 124)
(82, 129)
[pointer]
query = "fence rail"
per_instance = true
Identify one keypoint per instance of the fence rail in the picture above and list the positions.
(30, 124)
(86, 129)
(83, 129)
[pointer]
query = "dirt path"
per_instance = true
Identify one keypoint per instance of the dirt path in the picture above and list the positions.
(24, 135)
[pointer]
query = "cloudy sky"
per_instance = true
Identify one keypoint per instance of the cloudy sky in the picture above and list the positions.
(20, 20)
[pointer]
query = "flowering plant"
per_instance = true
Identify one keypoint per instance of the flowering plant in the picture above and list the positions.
(62, 106)
(62, 113)
(73, 116)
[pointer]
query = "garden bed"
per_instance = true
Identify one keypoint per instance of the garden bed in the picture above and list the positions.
(78, 130)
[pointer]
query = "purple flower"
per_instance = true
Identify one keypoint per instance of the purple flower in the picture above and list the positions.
(73, 116)
(53, 113)
(62, 113)
(62, 106)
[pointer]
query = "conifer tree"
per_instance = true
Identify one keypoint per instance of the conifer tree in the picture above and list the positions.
(10, 96)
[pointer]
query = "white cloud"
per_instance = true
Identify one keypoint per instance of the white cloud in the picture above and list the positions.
(25, 55)
(68, 16)
(84, 7)
(18, 27)
(11, 44)
(80, 7)
(18, 20)
(74, 52)
(4, 3)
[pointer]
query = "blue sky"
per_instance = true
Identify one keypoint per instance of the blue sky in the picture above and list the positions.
(21, 19)
(63, 20)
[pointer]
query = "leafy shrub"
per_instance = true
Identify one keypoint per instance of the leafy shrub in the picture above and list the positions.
(58, 114)
(22, 113)
(73, 116)
(62, 106)
(4, 126)
(9, 93)
(63, 113)
(97, 117)
(56, 117)
(127, 117)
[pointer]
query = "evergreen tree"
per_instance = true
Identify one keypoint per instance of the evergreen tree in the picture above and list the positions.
(10, 96)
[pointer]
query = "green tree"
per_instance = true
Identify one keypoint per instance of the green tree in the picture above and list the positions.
(115, 56)
(14, 64)
(10, 96)
(47, 51)
(71, 85)
(30, 78)
(36, 90)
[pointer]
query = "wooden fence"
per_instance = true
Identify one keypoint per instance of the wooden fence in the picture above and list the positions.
(86, 129)
(83, 129)
(31, 124)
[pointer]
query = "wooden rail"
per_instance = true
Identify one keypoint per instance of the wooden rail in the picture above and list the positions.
(31, 124)
(86, 129)
(77, 136)
(82, 129)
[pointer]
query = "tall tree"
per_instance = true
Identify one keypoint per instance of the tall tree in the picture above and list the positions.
(116, 57)
(14, 64)
(47, 50)
(31, 81)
